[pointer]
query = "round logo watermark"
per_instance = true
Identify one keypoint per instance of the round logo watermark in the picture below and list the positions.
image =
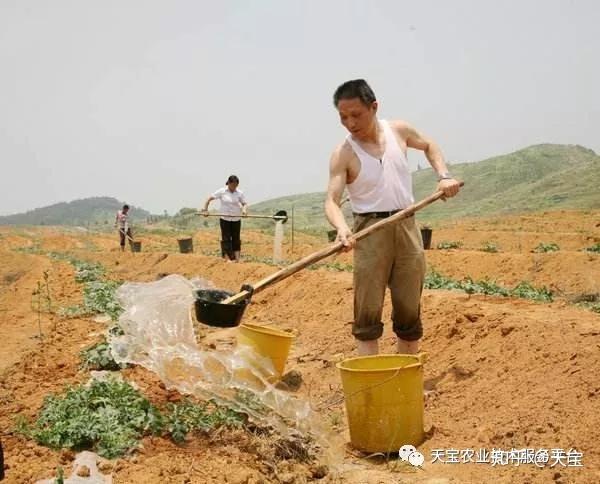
(409, 453)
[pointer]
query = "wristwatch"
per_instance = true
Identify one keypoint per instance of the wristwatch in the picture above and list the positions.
(445, 176)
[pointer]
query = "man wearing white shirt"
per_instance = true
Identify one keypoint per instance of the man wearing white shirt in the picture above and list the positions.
(233, 206)
(372, 164)
(122, 223)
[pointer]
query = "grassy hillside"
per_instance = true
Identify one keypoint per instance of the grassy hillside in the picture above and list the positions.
(307, 209)
(95, 210)
(540, 177)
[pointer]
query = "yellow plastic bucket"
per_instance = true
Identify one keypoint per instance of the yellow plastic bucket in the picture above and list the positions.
(270, 343)
(384, 401)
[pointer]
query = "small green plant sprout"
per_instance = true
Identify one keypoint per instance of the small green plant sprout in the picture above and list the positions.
(335, 266)
(248, 400)
(335, 418)
(47, 296)
(41, 300)
(594, 248)
(99, 297)
(60, 476)
(589, 301)
(186, 416)
(489, 247)
(99, 357)
(87, 271)
(543, 248)
(449, 245)
(526, 291)
(36, 305)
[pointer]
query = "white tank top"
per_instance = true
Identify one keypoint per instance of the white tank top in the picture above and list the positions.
(381, 185)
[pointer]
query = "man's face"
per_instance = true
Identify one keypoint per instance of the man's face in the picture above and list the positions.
(125, 210)
(355, 116)
(232, 186)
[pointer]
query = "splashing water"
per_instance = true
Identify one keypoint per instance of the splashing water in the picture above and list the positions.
(277, 242)
(159, 335)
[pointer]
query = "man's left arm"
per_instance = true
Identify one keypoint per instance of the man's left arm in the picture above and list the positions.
(418, 141)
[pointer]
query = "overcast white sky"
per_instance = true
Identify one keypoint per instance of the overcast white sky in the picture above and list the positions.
(157, 102)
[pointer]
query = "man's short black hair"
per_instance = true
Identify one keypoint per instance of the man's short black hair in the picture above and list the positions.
(125, 207)
(233, 179)
(357, 88)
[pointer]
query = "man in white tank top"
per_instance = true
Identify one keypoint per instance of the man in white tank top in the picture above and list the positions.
(371, 164)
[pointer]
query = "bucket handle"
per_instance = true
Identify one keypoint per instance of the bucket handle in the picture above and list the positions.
(346, 397)
(422, 357)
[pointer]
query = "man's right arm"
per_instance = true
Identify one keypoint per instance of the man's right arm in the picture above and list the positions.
(337, 183)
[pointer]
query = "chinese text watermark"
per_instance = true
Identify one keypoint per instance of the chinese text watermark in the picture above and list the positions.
(513, 457)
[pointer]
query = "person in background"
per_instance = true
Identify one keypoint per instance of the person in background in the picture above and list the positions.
(371, 164)
(233, 206)
(122, 224)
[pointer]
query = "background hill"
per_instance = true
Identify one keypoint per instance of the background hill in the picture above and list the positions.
(94, 210)
(537, 178)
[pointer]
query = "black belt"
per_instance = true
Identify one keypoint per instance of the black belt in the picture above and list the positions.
(380, 214)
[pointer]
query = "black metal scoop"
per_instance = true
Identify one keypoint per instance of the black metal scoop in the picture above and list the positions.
(225, 310)
(281, 215)
(210, 309)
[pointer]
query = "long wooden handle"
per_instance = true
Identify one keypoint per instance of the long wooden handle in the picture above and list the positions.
(332, 249)
(126, 235)
(276, 217)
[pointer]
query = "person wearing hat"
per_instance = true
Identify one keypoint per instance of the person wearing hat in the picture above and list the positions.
(233, 206)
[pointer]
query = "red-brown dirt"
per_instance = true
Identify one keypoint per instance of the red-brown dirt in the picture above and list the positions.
(501, 373)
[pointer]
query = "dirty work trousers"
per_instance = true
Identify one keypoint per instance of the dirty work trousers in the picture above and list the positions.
(230, 237)
(391, 257)
(123, 235)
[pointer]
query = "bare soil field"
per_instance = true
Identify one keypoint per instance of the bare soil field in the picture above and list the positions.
(502, 372)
